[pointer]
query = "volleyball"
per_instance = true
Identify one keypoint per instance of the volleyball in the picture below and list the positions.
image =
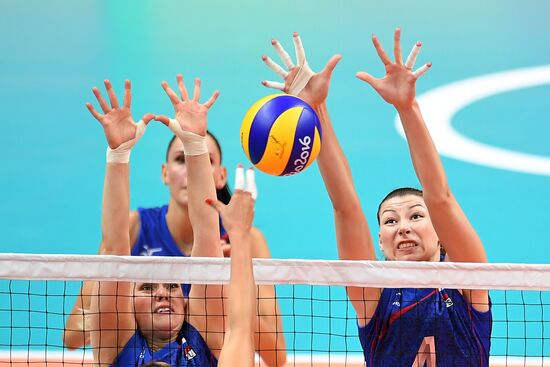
(281, 135)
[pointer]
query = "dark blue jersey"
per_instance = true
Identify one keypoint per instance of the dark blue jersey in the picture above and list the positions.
(154, 237)
(412, 322)
(189, 349)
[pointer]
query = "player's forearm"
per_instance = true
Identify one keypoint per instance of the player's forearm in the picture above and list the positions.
(334, 166)
(426, 161)
(269, 338)
(75, 334)
(242, 292)
(115, 208)
(204, 220)
(352, 230)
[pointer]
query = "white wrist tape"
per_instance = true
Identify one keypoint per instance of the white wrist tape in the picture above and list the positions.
(193, 144)
(121, 154)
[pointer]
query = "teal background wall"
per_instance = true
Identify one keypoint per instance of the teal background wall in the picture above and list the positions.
(52, 161)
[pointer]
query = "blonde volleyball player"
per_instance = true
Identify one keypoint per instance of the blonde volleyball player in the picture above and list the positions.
(133, 324)
(400, 327)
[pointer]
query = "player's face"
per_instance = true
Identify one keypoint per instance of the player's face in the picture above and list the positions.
(159, 309)
(406, 231)
(174, 171)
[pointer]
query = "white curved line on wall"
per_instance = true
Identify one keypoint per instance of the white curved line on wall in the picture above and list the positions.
(441, 104)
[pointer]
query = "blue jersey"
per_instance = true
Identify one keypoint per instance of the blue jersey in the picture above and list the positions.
(189, 349)
(412, 322)
(154, 237)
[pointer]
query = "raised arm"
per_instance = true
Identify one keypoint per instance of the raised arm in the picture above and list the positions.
(398, 87)
(269, 338)
(352, 231)
(76, 334)
(238, 346)
(205, 307)
(190, 127)
(112, 319)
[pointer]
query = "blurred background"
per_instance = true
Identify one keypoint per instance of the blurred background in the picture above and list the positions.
(53, 151)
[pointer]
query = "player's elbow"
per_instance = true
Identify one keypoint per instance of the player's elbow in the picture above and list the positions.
(115, 245)
(347, 208)
(438, 198)
(73, 339)
(274, 358)
(281, 357)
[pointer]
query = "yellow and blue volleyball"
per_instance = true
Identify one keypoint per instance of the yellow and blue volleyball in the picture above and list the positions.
(281, 135)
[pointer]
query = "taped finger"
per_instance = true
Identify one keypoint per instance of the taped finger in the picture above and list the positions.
(175, 127)
(421, 70)
(285, 57)
(239, 178)
(300, 52)
(274, 66)
(411, 59)
(251, 183)
(140, 129)
(274, 85)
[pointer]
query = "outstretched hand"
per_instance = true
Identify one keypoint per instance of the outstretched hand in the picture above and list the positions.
(117, 121)
(238, 215)
(398, 86)
(300, 80)
(191, 115)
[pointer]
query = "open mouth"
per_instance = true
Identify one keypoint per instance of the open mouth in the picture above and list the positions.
(406, 245)
(164, 310)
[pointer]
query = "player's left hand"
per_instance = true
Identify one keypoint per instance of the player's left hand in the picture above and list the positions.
(300, 80)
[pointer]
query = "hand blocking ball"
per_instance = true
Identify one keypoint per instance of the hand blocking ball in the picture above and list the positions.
(281, 135)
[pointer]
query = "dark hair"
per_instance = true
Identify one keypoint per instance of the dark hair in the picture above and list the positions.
(223, 194)
(402, 191)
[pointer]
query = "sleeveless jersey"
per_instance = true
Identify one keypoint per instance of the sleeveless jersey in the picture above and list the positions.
(155, 239)
(189, 349)
(412, 322)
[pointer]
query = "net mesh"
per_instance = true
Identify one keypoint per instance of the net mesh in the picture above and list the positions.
(37, 292)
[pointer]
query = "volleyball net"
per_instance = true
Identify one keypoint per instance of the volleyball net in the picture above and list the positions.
(37, 293)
